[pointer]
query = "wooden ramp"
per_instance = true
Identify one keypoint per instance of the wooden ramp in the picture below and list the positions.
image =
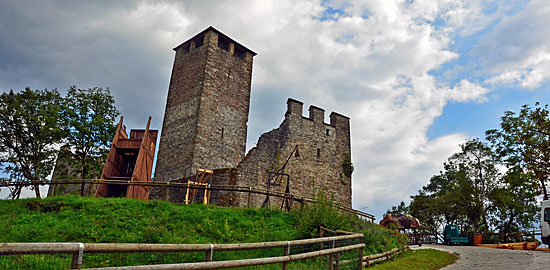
(130, 159)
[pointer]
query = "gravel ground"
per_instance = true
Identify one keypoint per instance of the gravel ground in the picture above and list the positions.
(492, 258)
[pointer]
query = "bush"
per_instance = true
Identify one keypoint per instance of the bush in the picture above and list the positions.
(310, 218)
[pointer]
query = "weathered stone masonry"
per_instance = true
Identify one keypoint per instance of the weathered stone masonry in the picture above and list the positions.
(207, 107)
(205, 125)
(322, 149)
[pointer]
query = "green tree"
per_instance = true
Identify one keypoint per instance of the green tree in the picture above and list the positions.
(524, 140)
(459, 194)
(513, 202)
(399, 209)
(30, 132)
(477, 175)
(90, 115)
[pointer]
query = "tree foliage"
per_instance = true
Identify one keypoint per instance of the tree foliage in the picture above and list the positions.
(90, 118)
(524, 141)
(31, 128)
(513, 203)
(459, 194)
(34, 124)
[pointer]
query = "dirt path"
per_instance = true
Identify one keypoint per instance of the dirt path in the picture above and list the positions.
(492, 258)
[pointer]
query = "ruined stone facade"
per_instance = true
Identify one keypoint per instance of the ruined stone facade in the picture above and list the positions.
(205, 126)
(317, 165)
(206, 114)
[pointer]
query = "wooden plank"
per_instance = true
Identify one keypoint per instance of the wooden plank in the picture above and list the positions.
(128, 247)
(38, 248)
(241, 263)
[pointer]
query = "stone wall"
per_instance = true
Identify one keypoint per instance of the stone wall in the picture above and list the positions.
(322, 149)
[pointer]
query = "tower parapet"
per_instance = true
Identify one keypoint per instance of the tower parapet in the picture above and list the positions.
(294, 107)
(316, 114)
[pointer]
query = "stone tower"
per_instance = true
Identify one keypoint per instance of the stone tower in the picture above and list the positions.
(206, 114)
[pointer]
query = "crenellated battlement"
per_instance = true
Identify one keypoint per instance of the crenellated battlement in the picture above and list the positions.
(213, 38)
(316, 114)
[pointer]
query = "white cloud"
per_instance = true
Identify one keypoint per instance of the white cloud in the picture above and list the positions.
(529, 73)
(467, 91)
(517, 51)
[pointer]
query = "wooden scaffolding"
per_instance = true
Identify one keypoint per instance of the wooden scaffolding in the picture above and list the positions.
(130, 159)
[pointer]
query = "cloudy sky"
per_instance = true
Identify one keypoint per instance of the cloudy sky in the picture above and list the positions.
(417, 78)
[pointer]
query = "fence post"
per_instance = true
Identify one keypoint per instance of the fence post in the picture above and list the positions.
(286, 252)
(337, 257)
(209, 254)
(360, 264)
(76, 262)
(321, 232)
(331, 258)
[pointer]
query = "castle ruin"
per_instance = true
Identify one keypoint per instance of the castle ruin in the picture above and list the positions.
(205, 125)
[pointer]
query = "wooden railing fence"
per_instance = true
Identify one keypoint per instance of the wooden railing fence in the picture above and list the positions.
(384, 256)
(370, 259)
(175, 184)
(78, 250)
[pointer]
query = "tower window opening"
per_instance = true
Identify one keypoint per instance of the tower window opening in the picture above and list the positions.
(223, 43)
(222, 132)
(318, 152)
(199, 41)
(239, 52)
(328, 132)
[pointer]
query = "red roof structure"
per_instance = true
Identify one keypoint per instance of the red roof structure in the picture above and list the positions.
(400, 221)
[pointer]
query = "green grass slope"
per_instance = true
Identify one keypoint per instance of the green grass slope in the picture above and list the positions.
(95, 220)
(117, 220)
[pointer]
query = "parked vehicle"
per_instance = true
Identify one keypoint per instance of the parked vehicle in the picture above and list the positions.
(452, 235)
(545, 222)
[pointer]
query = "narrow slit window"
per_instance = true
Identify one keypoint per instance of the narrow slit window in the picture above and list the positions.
(222, 132)
(328, 133)
(318, 152)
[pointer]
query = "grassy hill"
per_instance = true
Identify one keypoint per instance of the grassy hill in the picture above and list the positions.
(94, 220)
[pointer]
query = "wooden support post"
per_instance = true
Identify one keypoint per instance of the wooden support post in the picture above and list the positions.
(331, 257)
(205, 200)
(208, 255)
(74, 262)
(321, 232)
(286, 252)
(249, 194)
(336, 257)
(187, 193)
(360, 263)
